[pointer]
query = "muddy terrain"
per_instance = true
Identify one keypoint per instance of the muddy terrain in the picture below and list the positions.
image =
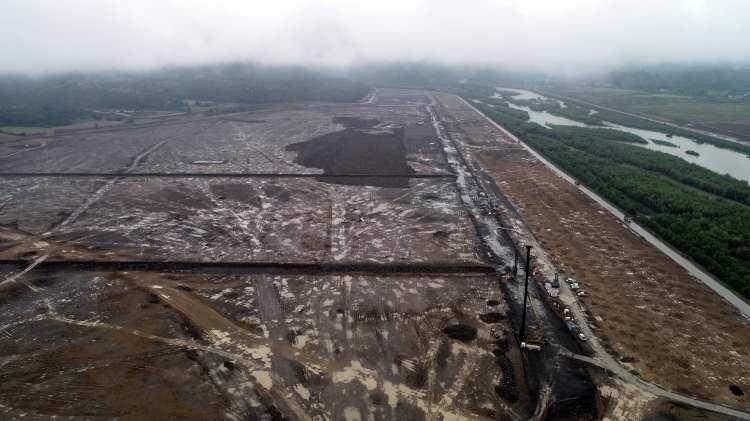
(349, 261)
(251, 346)
(298, 262)
(247, 219)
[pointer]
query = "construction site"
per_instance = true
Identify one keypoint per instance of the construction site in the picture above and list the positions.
(361, 261)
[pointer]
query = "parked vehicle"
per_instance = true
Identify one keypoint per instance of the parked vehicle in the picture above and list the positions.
(531, 346)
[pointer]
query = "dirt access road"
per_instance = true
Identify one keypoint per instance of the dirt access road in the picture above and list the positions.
(650, 315)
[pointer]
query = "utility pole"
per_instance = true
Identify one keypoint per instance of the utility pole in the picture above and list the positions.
(525, 294)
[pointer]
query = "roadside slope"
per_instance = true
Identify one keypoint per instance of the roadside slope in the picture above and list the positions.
(656, 318)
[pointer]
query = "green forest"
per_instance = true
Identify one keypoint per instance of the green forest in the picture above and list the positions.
(61, 99)
(703, 214)
(706, 81)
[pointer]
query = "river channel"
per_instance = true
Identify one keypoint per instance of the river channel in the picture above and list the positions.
(722, 161)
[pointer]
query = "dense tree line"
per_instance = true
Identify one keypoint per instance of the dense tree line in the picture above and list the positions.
(703, 214)
(433, 75)
(60, 99)
(677, 169)
(707, 81)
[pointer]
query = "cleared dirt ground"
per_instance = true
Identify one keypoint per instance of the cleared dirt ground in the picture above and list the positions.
(248, 219)
(660, 321)
(266, 345)
(253, 142)
(50, 368)
(210, 346)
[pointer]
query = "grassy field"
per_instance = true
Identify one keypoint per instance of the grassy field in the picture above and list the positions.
(22, 130)
(686, 112)
(675, 108)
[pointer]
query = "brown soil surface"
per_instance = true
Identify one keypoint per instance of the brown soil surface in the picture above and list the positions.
(239, 192)
(352, 151)
(668, 411)
(644, 306)
(55, 369)
(355, 122)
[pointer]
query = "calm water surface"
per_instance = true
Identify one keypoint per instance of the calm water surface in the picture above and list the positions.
(722, 161)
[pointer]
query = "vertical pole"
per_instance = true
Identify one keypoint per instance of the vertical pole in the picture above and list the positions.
(525, 293)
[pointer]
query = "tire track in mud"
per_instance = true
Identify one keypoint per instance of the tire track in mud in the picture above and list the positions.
(223, 332)
(242, 358)
(226, 339)
(233, 343)
(271, 158)
(253, 353)
(338, 243)
(95, 197)
(9, 175)
(98, 194)
(241, 222)
(254, 267)
(101, 191)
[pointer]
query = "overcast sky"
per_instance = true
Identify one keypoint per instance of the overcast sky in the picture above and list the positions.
(56, 35)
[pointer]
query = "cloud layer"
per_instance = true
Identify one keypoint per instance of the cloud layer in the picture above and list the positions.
(53, 35)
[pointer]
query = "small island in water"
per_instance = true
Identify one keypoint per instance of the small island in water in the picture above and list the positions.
(664, 143)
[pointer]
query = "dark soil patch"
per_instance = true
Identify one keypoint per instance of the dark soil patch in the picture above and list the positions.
(461, 332)
(237, 192)
(736, 391)
(502, 345)
(440, 235)
(277, 192)
(493, 303)
(28, 254)
(506, 387)
(670, 411)
(6, 245)
(492, 317)
(378, 398)
(416, 378)
(177, 197)
(355, 152)
(356, 122)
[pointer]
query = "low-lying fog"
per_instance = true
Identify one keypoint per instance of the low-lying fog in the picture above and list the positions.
(573, 35)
